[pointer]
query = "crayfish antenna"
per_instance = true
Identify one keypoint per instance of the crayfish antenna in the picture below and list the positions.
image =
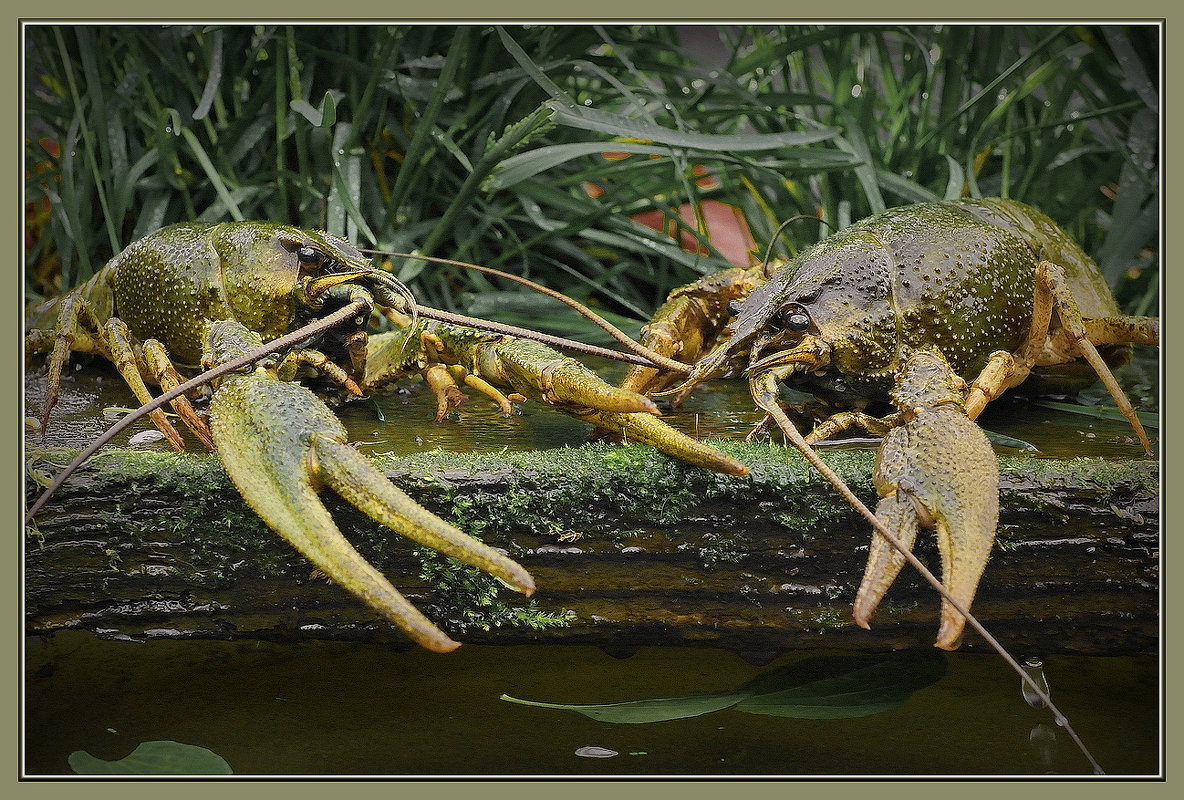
(637, 348)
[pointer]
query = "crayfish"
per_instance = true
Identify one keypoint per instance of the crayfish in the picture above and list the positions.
(937, 308)
(193, 296)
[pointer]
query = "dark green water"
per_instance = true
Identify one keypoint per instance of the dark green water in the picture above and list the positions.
(353, 709)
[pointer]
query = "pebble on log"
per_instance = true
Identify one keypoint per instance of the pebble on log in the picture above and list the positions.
(628, 548)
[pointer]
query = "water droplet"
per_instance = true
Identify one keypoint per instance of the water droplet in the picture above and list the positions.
(592, 751)
(1034, 668)
(588, 102)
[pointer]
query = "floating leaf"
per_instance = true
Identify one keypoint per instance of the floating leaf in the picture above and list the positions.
(592, 751)
(658, 709)
(154, 758)
(1148, 419)
(825, 687)
(1003, 440)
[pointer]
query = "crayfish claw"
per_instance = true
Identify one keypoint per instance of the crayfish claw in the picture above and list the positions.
(648, 429)
(537, 371)
(351, 475)
(280, 445)
(935, 469)
(884, 561)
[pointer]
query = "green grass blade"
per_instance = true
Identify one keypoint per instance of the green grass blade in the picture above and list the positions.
(215, 179)
(630, 128)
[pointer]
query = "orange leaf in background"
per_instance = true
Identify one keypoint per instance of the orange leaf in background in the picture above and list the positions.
(37, 211)
(726, 227)
(727, 230)
(708, 181)
(46, 274)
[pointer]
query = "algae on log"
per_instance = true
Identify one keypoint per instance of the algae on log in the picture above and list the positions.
(627, 547)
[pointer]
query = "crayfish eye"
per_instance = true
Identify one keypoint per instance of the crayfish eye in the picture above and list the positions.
(791, 318)
(310, 255)
(797, 322)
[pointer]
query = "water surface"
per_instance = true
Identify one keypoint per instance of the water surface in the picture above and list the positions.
(358, 709)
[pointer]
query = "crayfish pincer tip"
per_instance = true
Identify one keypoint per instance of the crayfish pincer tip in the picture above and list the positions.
(949, 635)
(444, 645)
(520, 581)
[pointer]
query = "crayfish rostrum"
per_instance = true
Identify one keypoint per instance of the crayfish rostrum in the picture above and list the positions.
(203, 295)
(935, 307)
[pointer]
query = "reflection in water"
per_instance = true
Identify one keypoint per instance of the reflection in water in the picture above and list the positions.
(1042, 741)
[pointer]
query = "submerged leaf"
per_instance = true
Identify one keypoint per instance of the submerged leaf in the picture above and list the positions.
(878, 686)
(658, 709)
(154, 758)
(592, 751)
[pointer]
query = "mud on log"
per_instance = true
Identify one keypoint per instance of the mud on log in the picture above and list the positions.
(628, 548)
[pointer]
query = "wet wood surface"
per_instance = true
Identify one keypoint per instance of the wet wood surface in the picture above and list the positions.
(628, 548)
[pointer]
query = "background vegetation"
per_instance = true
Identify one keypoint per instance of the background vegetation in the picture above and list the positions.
(486, 143)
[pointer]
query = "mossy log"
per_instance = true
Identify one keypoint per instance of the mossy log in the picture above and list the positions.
(628, 548)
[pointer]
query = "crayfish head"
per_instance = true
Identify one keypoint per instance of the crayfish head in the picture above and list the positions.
(766, 331)
(773, 325)
(319, 265)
